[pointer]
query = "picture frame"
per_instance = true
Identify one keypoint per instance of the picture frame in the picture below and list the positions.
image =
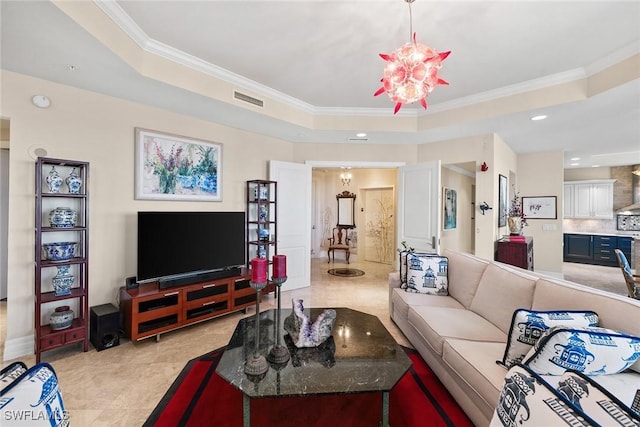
(450, 208)
(175, 167)
(502, 201)
(544, 207)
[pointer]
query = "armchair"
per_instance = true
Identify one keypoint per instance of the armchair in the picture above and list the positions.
(632, 280)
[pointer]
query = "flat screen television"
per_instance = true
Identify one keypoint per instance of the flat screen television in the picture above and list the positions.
(176, 248)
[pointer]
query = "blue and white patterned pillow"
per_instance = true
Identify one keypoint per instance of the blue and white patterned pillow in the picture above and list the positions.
(592, 351)
(595, 401)
(526, 399)
(427, 274)
(10, 373)
(33, 397)
(527, 326)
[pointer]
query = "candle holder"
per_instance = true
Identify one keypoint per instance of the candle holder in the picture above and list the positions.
(279, 354)
(256, 364)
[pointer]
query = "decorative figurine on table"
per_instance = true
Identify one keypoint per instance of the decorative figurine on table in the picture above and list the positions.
(256, 364)
(279, 354)
(305, 333)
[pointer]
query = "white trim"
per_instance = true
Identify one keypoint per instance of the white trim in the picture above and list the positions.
(460, 170)
(18, 347)
(353, 164)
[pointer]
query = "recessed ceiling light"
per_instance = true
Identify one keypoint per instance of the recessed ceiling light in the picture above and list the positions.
(361, 134)
(573, 159)
(41, 101)
(540, 117)
(574, 164)
(595, 166)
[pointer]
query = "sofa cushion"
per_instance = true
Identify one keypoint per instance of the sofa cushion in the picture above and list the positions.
(435, 324)
(427, 274)
(500, 292)
(465, 272)
(527, 326)
(401, 301)
(592, 351)
(475, 363)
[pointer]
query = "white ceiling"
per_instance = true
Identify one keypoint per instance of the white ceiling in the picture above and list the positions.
(322, 57)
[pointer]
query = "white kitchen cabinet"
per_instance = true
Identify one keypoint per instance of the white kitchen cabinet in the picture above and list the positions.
(568, 203)
(589, 199)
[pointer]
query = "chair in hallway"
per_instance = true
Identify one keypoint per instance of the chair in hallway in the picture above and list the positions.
(336, 243)
(632, 280)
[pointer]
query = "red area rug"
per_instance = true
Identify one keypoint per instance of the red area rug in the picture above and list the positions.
(199, 397)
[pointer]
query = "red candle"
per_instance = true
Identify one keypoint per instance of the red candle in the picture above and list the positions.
(259, 270)
(279, 266)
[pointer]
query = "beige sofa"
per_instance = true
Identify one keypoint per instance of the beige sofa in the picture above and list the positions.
(462, 335)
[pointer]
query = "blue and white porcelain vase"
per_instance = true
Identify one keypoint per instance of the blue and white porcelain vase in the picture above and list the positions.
(53, 180)
(263, 212)
(74, 182)
(63, 217)
(61, 318)
(62, 281)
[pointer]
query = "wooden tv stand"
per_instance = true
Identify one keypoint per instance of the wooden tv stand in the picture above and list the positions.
(149, 311)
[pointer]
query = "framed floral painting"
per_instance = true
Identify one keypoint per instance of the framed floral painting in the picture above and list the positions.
(173, 167)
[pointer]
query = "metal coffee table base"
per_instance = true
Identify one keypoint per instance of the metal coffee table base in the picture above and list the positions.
(246, 410)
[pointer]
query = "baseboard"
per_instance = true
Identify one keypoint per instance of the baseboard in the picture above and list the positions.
(18, 347)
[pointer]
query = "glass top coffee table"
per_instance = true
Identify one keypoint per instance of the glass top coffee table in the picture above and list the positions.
(360, 356)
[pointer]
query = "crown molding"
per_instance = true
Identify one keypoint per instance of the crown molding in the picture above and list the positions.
(129, 26)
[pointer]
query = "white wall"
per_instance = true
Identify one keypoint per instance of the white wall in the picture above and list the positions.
(99, 129)
(87, 126)
(4, 219)
(459, 238)
(541, 174)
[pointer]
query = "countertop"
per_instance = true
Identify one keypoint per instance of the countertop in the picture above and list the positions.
(633, 234)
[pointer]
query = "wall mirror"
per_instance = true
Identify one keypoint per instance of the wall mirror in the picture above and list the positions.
(346, 209)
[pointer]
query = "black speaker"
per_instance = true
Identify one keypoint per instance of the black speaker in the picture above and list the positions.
(104, 326)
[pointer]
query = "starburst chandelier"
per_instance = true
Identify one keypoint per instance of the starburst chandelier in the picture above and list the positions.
(411, 71)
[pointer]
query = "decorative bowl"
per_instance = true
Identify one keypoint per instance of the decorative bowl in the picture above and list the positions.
(59, 251)
(63, 217)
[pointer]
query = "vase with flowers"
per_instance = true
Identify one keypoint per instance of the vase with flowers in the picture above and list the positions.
(516, 220)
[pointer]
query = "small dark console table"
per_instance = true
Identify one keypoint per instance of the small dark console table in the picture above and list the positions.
(516, 251)
(149, 310)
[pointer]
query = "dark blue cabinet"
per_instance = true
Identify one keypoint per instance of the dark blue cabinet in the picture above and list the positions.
(595, 249)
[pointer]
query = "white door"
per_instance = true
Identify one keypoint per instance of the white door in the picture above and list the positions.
(379, 225)
(294, 220)
(419, 201)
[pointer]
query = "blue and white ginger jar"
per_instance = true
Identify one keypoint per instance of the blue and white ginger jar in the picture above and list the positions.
(74, 182)
(62, 281)
(53, 180)
(61, 318)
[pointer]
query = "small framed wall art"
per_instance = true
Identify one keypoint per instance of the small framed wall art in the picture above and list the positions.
(502, 201)
(450, 201)
(540, 207)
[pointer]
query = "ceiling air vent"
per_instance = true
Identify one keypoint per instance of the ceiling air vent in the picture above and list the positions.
(356, 139)
(246, 98)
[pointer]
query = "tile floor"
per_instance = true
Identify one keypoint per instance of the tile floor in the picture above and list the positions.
(121, 386)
